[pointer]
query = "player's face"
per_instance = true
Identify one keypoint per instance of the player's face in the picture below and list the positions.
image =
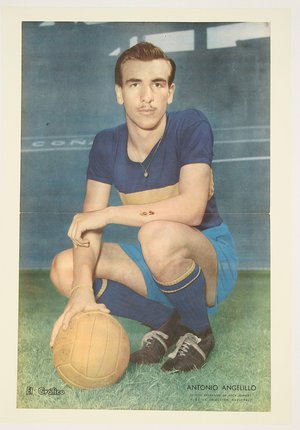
(145, 93)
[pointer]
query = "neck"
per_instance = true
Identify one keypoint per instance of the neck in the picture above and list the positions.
(142, 141)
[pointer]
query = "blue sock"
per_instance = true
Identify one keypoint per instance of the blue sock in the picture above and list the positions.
(187, 294)
(124, 302)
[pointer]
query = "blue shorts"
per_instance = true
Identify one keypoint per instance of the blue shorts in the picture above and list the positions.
(221, 239)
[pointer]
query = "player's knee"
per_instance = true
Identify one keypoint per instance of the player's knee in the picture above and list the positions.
(54, 270)
(156, 242)
(152, 236)
(60, 271)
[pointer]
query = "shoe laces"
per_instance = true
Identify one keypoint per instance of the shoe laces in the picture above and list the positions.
(160, 336)
(184, 343)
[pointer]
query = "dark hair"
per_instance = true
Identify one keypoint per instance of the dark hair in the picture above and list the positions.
(143, 51)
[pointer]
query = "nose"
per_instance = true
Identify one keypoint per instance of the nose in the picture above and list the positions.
(146, 94)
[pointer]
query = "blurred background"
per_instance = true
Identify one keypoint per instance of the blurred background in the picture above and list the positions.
(223, 69)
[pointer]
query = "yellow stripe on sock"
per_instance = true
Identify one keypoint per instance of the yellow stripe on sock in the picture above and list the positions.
(180, 279)
(102, 289)
(184, 286)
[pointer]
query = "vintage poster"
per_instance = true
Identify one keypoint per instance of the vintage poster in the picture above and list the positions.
(67, 95)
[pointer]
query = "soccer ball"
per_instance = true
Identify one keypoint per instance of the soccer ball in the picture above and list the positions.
(92, 352)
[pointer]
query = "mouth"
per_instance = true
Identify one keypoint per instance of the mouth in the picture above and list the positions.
(146, 111)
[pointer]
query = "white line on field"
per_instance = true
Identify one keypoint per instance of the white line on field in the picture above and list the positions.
(229, 160)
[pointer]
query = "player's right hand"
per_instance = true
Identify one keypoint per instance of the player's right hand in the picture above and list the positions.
(82, 300)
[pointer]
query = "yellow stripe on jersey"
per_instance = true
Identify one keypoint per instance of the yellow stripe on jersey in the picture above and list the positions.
(150, 196)
(158, 194)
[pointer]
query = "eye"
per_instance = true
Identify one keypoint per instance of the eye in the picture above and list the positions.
(158, 84)
(134, 85)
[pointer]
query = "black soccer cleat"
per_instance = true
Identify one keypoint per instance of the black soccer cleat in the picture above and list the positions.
(191, 352)
(156, 343)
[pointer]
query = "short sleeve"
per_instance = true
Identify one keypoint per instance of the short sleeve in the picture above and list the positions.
(100, 167)
(196, 140)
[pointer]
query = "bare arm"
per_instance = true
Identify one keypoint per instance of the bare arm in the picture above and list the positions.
(187, 208)
(84, 262)
(85, 258)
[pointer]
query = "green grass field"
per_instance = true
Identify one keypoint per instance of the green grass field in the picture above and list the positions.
(237, 376)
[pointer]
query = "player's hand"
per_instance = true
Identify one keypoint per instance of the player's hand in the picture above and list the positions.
(82, 300)
(83, 222)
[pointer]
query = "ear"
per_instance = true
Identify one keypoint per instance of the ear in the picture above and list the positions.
(171, 93)
(119, 94)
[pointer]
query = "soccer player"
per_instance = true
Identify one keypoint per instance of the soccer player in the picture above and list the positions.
(184, 261)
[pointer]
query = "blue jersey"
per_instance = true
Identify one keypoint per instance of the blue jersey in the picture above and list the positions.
(187, 139)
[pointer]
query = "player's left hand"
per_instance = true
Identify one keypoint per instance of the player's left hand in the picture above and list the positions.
(83, 222)
(82, 300)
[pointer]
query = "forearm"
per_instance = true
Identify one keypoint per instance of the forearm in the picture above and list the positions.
(85, 260)
(81, 299)
(177, 209)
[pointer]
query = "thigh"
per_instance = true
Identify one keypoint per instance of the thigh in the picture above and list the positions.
(113, 263)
